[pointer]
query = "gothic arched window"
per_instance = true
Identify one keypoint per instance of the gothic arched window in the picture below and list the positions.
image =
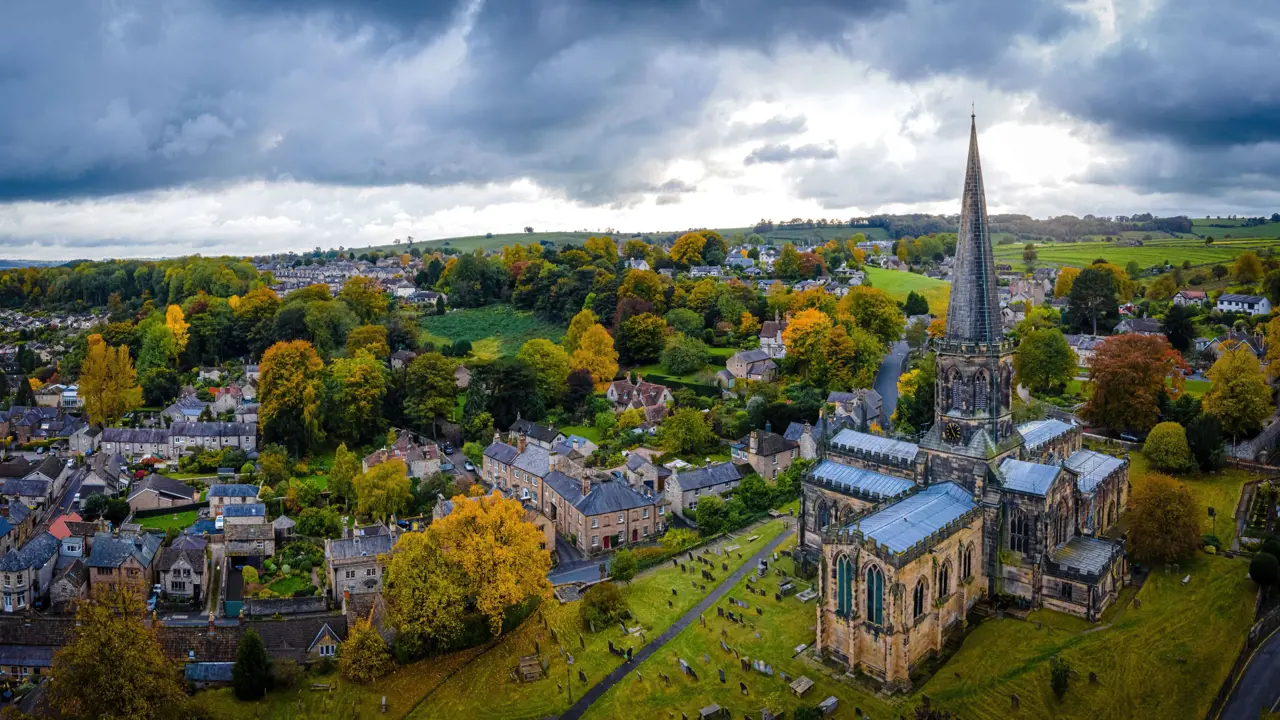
(981, 391)
(917, 600)
(966, 562)
(844, 586)
(824, 515)
(875, 593)
(944, 580)
(957, 390)
(1019, 532)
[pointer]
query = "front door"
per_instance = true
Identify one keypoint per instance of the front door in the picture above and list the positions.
(607, 538)
(635, 535)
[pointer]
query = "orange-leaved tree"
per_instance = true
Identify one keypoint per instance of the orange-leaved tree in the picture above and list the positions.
(1129, 374)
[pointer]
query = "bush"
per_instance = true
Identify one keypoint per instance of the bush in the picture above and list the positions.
(679, 539)
(285, 673)
(1164, 520)
(602, 605)
(1213, 541)
(1166, 447)
(306, 566)
(623, 567)
(324, 666)
(1059, 676)
(1264, 568)
(684, 355)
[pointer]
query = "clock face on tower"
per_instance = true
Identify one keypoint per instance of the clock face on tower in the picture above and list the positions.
(951, 432)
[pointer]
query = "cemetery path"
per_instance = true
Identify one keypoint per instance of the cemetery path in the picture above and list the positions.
(638, 658)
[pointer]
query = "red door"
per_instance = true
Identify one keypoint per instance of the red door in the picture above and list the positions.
(635, 535)
(607, 538)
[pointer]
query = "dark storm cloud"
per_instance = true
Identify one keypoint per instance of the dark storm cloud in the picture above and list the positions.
(785, 153)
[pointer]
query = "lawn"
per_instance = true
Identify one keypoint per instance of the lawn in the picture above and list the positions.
(584, 431)
(493, 330)
(164, 522)
(404, 689)
(898, 284)
(484, 689)
(286, 587)
(783, 626)
(1155, 252)
(1220, 490)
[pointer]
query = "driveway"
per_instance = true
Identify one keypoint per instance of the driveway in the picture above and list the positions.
(1259, 687)
(573, 566)
(887, 377)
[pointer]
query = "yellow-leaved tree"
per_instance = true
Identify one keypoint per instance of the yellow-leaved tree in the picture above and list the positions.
(687, 249)
(289, 395)
(502, 556)
(596, 355)
(426, 593)
(177, 324)
(1239, 397)
(1066, 278)
(108, 382)
(577, 327)
(383, 491)
(806, 339)
(364, 655)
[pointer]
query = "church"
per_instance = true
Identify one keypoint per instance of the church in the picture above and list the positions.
(911, 535)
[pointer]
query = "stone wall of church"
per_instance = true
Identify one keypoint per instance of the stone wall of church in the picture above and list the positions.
(1049, 523)
(889, 651)
(1058, 449)
(814, 500)
(1101, 509)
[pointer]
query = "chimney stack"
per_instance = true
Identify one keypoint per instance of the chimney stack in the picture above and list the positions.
(753, 441)
(497, 436)
(586, 485)
(520, 443)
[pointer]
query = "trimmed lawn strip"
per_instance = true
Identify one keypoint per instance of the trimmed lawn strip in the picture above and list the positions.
(484, 689)
(164, 522)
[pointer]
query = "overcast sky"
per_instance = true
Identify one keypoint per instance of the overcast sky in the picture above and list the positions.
(154, 128)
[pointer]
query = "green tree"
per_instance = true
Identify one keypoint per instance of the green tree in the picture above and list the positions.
(686, 431)
(684, 320)
(1093, 299)
(711, 514)
(1271, 286)
(640, 338)
(1205, 441)
(874, 311)
(346, 465)
(623, 567)
(551, 364)
(1239, 396)
(431, 390)
(788, 263)
(1179, 328)
(1164, 520)
(915, 304)
(684, 355)
(755, 493)
(251, 674)
(320, 523)
(1264, 569)
(1044, 361)
(1166, 447)
(383, 491)
(602, 606)
(354, 391)
(1059, 675)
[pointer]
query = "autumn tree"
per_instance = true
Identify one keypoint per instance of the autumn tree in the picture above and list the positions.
(596, 355)
(1247, 268)
(603, 248)
(551, 364)
(369, 337)
(431, 389)
(1129, 373)
(501, 555)
(1066, 278)
(1164, 520)
(1166, 447)
(687, 250)
(748, 325)
(1044, 361)
(874, 311)
(365, 298)
(114, 666)
(364, 655)
(640, 338)
(806, 339)
(1163, 288)
(178, 326)
(426, 593)
(645, 285)
(108, 382)
(251, 674)
(355, 390)
(788, 263)
(578, 327)
(290, 394)
(916, 388)
(1239, 396)
(686, 431)
(346, 466)
(383, 491)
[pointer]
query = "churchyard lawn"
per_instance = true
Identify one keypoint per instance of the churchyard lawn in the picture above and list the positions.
(485, 688)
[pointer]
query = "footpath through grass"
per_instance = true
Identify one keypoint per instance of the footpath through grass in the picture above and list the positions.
(485, 688)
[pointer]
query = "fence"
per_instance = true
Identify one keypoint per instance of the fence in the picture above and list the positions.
(1260, 631)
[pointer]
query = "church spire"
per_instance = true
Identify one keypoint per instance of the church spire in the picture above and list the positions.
(973, 315)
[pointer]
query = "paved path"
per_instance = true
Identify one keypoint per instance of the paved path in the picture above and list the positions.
(887, 376)
(599, 689)
(1259, 687)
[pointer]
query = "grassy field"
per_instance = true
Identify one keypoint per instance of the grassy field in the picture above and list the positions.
(1206, 226)
(585, 431)
(898, 284)
(493, 330)
(403, 690)
(1155, 252)
(1220, 490)
(484, 688)
(783, 626)
(164, 522)
(286, 587)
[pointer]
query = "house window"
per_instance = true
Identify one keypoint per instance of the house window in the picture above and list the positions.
(662, 510)
(8, 603)
(917, 600)
(351, 574)
(775, 459)
(621, 517)
(875, 592)
(1019, 533)
(328, 650)
(645, 513)
(595, 541)
(595, 522)
(178, 586)
(369, 572)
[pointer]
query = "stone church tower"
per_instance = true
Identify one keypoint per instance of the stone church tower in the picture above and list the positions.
(973, 415)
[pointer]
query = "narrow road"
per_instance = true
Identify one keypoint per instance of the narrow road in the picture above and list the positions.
(600, 688)
(887, 377)
(1259, 687)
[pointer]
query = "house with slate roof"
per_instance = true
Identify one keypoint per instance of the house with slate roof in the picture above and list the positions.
(598, 514)
(70, 585)
(136, 442)
(516, 470)
(752, 365)
(767, 452)
(353, 563)
(123, 561)
(222, 494)
(26, 573)
(914, 534)
(1252, 304)
(244, 514)
(420, 461)
(686, 486)
(864, 406)
(181, 572)
(771, 336)
(105, 474)
(647, 397)
(535, 434)
(194, 436)
(157, 491)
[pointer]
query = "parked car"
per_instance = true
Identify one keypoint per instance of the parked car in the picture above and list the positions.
(218, 522)
(469, 466)
(75, 501)
(448, 449)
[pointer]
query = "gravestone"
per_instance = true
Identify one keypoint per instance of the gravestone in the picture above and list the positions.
(724, 567)
(639, 676)
(673, 591)
(555, 638)
(746, 663)
(670, 604)
(581, 642)
(785, 677)
(674, 562)
(592, 624)
(757, 636)
(724, 646)
(628, 654)
(777, 596)
(719, 611)
(721, 674)
(1017, 702)
(559, 688)
(743, 687)
(705, 659)
(682, 569)
(693, 674)
(1093, 678)
(684, 666)
(582, 676)
(829, 705)
(759, 611)
(610, 646)
(665, 678)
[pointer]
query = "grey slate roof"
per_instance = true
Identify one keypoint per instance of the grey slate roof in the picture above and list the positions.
(284, 522)
(366, 546)
(1092, 468)
(912, 519)
(110, 551)
(35, 553)
(567, 487)
(866, 482)
(753, 356)
(156, 436)
(1039, 432)
(535, 431)
(233, 490)
(27, 655)
(208, 671)
(534, 460)
(166, 486)
(1236, 297)
(709, 476)
(501, 452)
(51, 468)
(768, 443)
(1027, 477)
(874, 444)
(171, 555)
(611, 497)
(260, 531)
(245, 510)
(213, 429)
(1085, 554)
(26, 487)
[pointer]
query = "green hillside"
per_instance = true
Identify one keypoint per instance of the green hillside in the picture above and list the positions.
(1153, 252)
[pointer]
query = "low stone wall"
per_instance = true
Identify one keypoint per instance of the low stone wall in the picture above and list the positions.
(266, 607)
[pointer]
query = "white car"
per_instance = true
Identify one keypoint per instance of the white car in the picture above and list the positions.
(75, 501)
(469, 466)
(218, 523)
